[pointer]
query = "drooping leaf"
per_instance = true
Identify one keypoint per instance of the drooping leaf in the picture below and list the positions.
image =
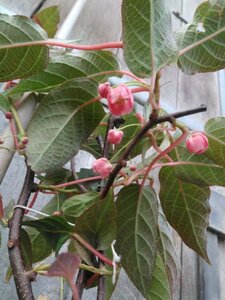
(77, 248)
(200, 170)
(26, 249)
(59, 127)
(68, 66)
(215, 130)
(77, 204)
(48, 19)
(55, 230)
(186, 208)
(208, 23)
(147, 36)
(98, 223)
(66, 265)
(4, 103)
(159, 287)
(40, 247)
(168, 252)
(18, 61)
(137, 234)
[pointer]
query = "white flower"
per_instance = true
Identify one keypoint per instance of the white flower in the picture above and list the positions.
(200, 27)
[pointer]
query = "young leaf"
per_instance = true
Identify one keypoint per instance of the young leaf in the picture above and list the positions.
(207, 31)
(40, 247)
(19, 61)
(68, 66)
(137, 234)
(97, 224)
(215, 131)
(200, 171)
(48, 19)
(159, 287)
(147, 36)
(66, 265)
(77, 204)
(186, 208)
(167, 252)
(58, 127)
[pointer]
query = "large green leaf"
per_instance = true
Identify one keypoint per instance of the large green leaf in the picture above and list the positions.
(159, 287)
(97, 224)
(137, 234)
(77, 204)
(147, 37)
(64, 67)
(59, 127)
(200, 170)
(48, 19)
(215, 130)
(168, 252)
(20, 61)
(207, 29)
(186, 208)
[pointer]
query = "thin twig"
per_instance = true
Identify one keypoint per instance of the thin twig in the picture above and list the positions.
(36, 10)
(178, 15)
(21, 278)
(154, 120)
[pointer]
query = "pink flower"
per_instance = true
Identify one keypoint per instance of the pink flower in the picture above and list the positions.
(120, 100)
(197, 143)
(102, 167)
(115, 136)
(103, 89)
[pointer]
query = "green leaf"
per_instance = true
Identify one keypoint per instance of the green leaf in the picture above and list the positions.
(26, 249)
(40, 246)
(97, 224)
(48, 19)
(147, 37)
(168, 252)
(207, 29)
(18, 61)
(77, 204)
(200, 171)
(137, 234)
(55, 230)
(186, 208)
(4, 103)
(215, 131)
(54, 204)
(159, 287)
(68, 66)
(59, 127)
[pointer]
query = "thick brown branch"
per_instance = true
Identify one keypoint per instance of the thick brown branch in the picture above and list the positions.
(154, 120)
(21, 277)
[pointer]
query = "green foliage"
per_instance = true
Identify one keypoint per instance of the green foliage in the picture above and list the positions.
(97, 224)
(186, 208)
(207, 29)
(4, 103)
(63, 67)
(148, 41)
(48, 19)
(57, 129)
(19, 61)
(137, 234)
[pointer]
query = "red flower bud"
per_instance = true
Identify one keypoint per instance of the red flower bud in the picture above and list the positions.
(1, 141)
(197, 143)
(24, 140)
(120, 100)
(133, 168)
(115, 136)
(103, 89)
(8, 115)
(102, 167)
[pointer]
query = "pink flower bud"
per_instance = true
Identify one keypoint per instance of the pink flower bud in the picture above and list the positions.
(24, 140)
(120, 100)
(103, 89)
(8, 115)
(1, 141)
(102, 167)
(115, 136)
(133, 168)
(197, 143)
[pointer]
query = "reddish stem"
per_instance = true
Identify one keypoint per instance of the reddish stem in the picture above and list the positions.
(59, 186)
(91, 280)
(32, 201)
(14, 133)
(92, 249)
(1, 208)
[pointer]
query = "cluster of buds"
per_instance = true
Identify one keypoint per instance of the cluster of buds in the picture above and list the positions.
(120, 99)
(102, 167)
